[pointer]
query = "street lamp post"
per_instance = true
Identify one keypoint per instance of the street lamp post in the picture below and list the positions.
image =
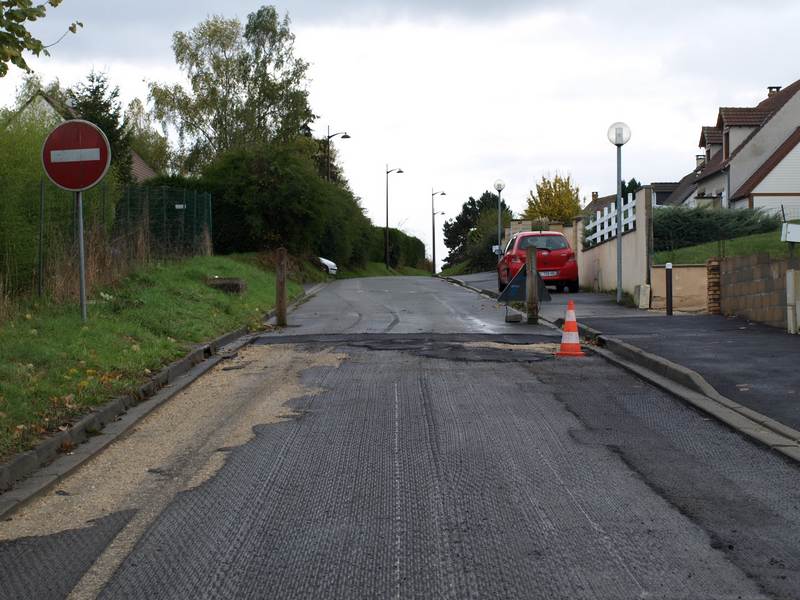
(499, 185)
(433, 228)
(329, 137)
(386, 229)
(619, 134)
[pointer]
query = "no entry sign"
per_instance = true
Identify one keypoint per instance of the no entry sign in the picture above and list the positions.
(76, 155)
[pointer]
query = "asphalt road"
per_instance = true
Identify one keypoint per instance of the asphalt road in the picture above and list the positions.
(399, 440)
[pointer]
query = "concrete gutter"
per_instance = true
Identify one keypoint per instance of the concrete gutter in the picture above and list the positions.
(31, 473)
(684, 383)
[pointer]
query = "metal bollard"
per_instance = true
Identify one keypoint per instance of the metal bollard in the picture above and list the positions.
(668, 272)
(792, 300)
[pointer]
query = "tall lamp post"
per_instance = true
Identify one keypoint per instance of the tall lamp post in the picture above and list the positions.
(619, 134)
(386, 229)
(329, 137)
(499, 185)
(433, 228)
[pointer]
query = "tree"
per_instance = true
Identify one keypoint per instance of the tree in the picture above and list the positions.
(333, 171)
(555, 199)
(27, 90)
(145, 140)
(457, 230)
(14, 36)
(631, 187)
(246, 86)
(32, 83)
(270, 195)
(97, 102)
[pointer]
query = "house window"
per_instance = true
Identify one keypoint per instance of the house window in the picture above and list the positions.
(726, 144)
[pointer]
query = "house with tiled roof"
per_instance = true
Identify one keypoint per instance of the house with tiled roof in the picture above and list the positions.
(43, 104)
(750, 157)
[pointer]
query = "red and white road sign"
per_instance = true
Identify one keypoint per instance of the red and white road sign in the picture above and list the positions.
(76, 155)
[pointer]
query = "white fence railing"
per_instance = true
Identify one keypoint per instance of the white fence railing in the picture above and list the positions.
(603, 224)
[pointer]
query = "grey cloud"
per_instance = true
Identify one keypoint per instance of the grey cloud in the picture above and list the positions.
(128, 30)
(143, 29)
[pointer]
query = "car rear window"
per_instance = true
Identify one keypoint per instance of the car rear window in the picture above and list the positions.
(551, 242)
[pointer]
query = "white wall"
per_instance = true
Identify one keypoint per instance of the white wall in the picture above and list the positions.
(772, 205)
(597, 267)
(783, 178)
(737, 136)
(713, 185)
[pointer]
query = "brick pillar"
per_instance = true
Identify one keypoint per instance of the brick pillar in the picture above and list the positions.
(714, 287)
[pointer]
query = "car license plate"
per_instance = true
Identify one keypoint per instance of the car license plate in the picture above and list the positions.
(548, 273)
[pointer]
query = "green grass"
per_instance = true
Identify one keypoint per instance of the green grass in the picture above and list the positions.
(461, 268)
(53, 368)
(413, 271)
(769, 243)
(301, 270)
(375, 269)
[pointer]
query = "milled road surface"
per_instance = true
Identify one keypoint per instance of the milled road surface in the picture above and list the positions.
(407, 443)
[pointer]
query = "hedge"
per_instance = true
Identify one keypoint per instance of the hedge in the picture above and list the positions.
(678, 227)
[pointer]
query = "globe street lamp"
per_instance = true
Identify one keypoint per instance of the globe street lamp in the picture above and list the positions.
(619, 134)
(386, 229)
(433, 227)
(329, 137)
(499, 185)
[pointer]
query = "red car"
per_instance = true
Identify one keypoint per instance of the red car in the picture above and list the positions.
(555, 260)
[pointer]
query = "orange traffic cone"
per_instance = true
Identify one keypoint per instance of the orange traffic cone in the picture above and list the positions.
(570, 341)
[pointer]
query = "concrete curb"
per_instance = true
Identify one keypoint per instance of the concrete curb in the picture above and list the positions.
(684, 383)
(31, 473)
(490, 293)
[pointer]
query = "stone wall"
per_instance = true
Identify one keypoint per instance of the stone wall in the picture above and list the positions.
(754, 287)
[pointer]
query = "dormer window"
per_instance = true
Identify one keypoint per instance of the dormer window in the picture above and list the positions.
(726, 144)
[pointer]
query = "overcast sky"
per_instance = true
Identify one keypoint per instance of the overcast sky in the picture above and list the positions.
(460, 93)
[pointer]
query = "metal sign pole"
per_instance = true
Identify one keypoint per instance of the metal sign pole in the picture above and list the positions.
(82, 255)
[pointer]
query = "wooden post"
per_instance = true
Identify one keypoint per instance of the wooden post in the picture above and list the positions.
(280, 289)
(532, 287)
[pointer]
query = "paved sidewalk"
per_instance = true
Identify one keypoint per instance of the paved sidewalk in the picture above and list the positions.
(752, 364)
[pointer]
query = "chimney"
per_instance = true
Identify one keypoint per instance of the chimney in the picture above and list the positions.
(772, 90)
(595, 196)
(700, 159)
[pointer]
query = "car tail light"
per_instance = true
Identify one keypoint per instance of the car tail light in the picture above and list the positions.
(515, 259)
(570, 255)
